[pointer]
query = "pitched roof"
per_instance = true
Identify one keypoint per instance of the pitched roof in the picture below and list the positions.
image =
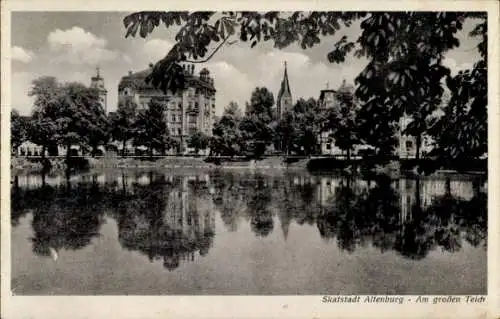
(137, 81)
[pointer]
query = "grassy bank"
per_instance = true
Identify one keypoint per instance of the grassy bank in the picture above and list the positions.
(425, 166)
(57, 163)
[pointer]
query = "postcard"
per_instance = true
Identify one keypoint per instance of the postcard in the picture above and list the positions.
(264, 159)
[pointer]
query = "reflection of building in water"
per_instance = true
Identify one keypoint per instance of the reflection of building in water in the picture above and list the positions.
(329, 185)
(190, 212)
(462, 189)
(185, 227)
(326, 189)
(429, 190)
(34, 181)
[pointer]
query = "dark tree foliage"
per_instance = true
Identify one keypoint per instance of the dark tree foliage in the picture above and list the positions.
(462, 132)
(256, 126)
(18, 130)
(297, 131)
(81, 119)
(43, 129)
(198, 141)
(66, 114)
(342, 119)
(227, 137)
(123, 122)
(151, 129)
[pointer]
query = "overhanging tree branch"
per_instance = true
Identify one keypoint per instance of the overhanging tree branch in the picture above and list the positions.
(211, 54)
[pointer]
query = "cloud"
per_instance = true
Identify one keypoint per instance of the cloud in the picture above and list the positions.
(20, 54)
(231, 85)
(77, 46)
(154, 50)
(20, 86)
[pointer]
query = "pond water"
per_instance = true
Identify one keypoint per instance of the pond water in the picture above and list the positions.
(247, 233)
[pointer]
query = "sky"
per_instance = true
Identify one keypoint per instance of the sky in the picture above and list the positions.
(70, 45)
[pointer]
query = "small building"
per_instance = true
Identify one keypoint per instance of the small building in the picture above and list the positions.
(406, 147)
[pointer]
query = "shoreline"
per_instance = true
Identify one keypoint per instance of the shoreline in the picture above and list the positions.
(33, 166)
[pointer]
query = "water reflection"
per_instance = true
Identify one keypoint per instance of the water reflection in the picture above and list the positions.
(170, 218)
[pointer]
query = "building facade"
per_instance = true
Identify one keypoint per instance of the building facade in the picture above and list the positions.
(327, 100)
(188, 111)
(407, 147)
(284, 99)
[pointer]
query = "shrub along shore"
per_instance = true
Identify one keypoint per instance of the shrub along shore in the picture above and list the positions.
(323, 164)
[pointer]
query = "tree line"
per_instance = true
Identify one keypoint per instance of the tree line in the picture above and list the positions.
(70, 114)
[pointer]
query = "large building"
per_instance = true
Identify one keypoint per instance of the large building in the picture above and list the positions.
(187, 111)
(284, 99)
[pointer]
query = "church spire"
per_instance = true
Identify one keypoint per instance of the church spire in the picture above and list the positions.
(285, 85)
(284, 100)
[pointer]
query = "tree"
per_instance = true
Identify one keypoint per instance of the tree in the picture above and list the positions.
(342, 119)
(18, 130)
(404, 51)
(256, 126)
(261, 104)
(287, 132)
(151, 128)
(298, 129)
(227, 138)
(462, 132)
(81, 119)
(67, 114)
(43, 129)
(198, 141)
(123, 122)
(101, 133)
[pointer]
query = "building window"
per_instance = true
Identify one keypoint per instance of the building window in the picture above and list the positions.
(328, 146)
(409, 145)
(179, 131)
(180, 105)
(173, 118)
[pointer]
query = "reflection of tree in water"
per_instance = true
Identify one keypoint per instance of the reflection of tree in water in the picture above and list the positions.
(167, 218)
(67, 220)
(228, 198)
(375, 215)
(298, 201)
(161, 221)
(344, 218)
(258, 200)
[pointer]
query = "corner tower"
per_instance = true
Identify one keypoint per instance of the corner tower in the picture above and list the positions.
(97, 82)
